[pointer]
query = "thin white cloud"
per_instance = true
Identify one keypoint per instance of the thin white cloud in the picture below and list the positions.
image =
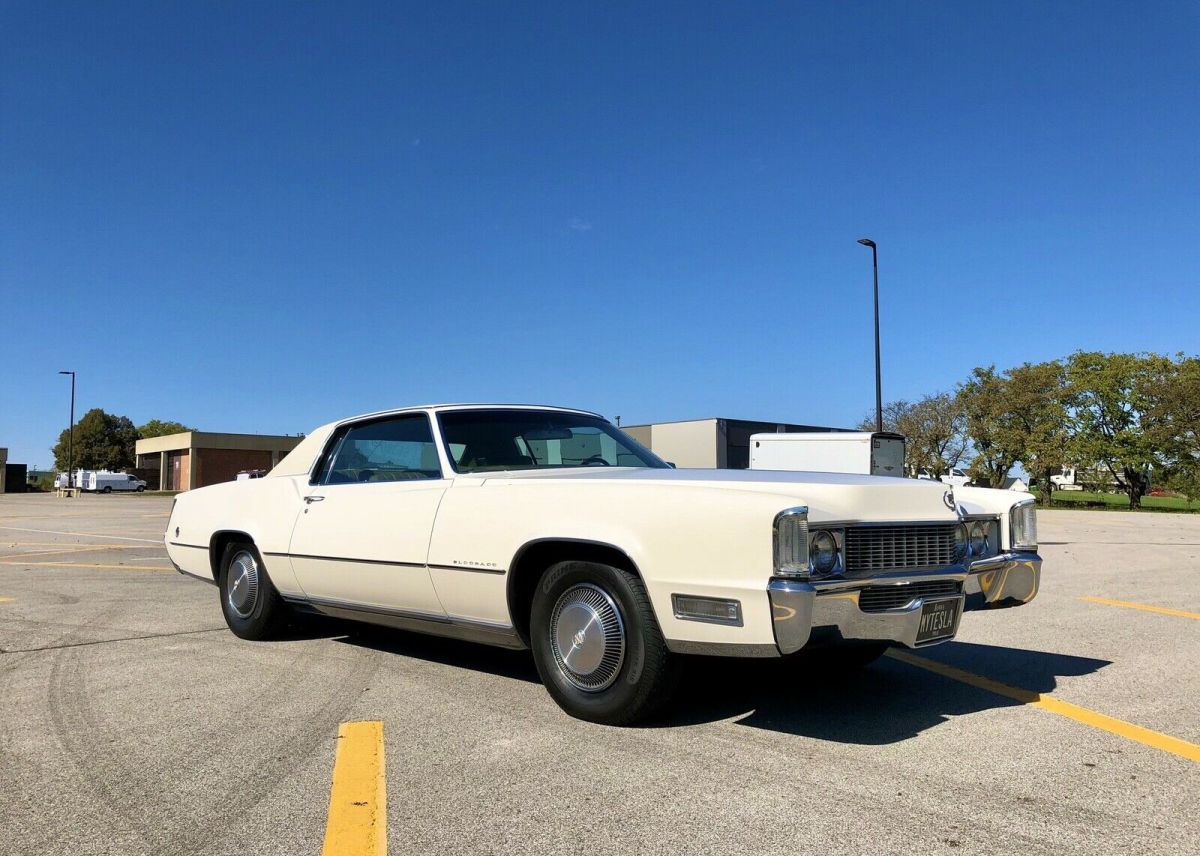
(578, 224)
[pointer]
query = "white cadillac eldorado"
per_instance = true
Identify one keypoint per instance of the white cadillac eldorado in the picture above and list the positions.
(549, 528)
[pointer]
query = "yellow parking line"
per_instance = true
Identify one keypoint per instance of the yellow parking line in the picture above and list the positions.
(7, 599)
(1130, 605)
(89, 565)
(357, 824)
(50, 552)
(1128, 730)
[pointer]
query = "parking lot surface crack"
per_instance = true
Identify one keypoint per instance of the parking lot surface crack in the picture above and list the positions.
(107, 641)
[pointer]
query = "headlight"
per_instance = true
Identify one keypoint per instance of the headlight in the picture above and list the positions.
(823, 552)
(1023, 526)
(979, 540)
(962, 538)
(791, 542)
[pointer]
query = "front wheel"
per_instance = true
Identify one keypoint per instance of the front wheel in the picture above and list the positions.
(597, 644)
(107, 489)
(252, 607)
(141, 488)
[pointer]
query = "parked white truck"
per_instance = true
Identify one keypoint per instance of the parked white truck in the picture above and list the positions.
(105, 482)
(864, 452)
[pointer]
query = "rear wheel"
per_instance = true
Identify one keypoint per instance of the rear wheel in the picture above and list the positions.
(597, 644)
(252, 607)
(107, 489)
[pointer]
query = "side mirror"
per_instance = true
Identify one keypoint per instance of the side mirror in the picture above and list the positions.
(671, 464)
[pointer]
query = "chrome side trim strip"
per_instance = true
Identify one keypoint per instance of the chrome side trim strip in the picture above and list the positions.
(347, 559)
(454, 627)
(466, 568)
(193, 546)
(208, 580)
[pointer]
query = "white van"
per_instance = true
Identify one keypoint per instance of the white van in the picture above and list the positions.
(956, 477)
(866, 452)
(108, 482)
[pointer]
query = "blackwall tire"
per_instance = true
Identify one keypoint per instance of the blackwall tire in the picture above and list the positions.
(597, 645)
(252, 607)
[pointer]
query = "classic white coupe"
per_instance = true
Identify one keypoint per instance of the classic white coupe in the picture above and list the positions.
(549, 528)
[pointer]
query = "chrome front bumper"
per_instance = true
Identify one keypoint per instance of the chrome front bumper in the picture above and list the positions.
(1010, 579)
(829, 609)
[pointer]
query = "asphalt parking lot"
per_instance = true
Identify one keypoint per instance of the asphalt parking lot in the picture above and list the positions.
(132, 721)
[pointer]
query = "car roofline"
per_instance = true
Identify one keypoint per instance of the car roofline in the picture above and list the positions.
(448, 408)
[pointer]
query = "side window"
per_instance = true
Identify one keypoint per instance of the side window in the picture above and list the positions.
(399, 449)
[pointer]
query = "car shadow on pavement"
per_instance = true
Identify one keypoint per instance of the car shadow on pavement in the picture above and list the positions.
(517, 665)
(886, 702)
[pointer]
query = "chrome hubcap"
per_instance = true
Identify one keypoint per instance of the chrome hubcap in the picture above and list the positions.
(242, 584)
(588, 637)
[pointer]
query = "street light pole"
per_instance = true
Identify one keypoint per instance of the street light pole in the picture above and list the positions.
(867, 242)
(71, 436)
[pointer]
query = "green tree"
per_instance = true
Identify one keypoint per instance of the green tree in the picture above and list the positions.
(102, 442)
(1174, 425)
(1117, 413)
(159, 428)
(1037, 400)
(997, 436)
(934, 429)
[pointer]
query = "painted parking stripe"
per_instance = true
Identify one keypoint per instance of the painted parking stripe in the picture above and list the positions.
(1180, 613)
(357, 824)
(1128, 730)
(88, 565)
(7, 599)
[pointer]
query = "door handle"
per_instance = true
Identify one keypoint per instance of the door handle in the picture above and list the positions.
(311, 499)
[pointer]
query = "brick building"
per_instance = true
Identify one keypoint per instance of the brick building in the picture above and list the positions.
(199, 458)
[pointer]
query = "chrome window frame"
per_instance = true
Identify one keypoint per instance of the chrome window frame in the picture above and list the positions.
(318, 475)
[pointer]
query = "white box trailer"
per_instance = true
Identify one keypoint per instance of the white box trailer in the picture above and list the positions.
(108, 482)
(864, 452)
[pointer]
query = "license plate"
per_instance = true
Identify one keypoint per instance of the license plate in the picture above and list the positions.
(938, 620)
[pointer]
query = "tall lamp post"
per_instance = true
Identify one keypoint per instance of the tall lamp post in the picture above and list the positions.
(71, 436)
(867, 242)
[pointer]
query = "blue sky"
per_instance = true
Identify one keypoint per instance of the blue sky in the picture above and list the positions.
(263, 216)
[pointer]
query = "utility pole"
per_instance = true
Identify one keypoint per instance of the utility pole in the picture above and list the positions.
(867, 242)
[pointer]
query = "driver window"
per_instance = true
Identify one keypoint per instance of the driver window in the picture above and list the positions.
(399, 449)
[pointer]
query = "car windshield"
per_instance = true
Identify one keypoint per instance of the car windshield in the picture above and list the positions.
(488, 440)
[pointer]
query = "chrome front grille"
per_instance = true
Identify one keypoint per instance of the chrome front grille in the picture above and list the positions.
(872, 549)
(880, 598)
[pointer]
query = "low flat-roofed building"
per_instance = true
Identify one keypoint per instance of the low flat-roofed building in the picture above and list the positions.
(194, 459)
(712, 443)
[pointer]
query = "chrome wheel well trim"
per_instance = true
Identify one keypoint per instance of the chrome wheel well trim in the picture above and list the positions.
(516, 585)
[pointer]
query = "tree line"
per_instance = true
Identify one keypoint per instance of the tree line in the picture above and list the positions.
(104, 441)
(1121, 419)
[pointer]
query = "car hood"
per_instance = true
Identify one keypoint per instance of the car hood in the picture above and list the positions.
(829, 496)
